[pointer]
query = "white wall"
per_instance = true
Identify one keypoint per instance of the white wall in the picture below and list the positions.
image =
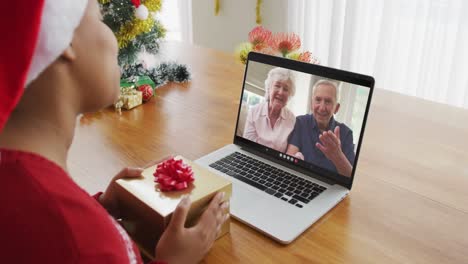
(235, 20)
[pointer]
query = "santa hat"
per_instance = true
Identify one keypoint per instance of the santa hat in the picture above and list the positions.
(34, 34)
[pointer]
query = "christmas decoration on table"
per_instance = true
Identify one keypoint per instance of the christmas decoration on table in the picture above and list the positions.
(161, 74)
(129, 98)
(137, 30)
(280, 44)
(134, 91)
(173, 175)
(147, 92)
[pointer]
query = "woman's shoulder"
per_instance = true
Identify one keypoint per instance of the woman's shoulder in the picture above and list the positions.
(258, 106)
(50, 204)
(34, 208)
(29, 164)
(288, 113)
(33, 175)
(258, 109)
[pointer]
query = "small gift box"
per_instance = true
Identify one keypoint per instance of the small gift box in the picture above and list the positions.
(147, 206)
(129, 98)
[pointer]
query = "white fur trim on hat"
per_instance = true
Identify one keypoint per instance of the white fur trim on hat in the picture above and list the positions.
(59, 20)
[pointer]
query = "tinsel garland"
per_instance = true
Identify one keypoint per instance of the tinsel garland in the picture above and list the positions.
(162, 74)
(132, 29)
(133, 35)
(152, 5)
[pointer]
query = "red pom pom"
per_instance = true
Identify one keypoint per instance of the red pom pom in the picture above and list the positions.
(173, 175)
(147, 92)
(136, 3)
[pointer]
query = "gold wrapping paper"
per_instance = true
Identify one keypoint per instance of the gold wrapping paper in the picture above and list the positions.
(147, 211)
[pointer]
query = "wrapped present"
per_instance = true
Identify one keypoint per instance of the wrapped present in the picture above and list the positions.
(147, 206)
(129, 98)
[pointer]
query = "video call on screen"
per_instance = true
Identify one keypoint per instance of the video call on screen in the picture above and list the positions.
(306, 117)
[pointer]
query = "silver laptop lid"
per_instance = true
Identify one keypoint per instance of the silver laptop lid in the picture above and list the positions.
(307, 117)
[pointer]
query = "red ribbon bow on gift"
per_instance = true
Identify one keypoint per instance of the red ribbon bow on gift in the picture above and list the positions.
(173, 175)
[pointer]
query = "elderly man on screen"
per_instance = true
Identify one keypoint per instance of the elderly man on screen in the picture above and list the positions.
(270, 123)
(318, 138)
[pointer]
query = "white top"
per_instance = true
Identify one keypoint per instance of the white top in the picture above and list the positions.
(258, 127)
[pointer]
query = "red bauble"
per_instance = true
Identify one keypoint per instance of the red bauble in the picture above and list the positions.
(136, 3)
(147, 92)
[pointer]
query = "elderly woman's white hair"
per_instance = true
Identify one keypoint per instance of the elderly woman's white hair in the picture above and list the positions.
(282, 74)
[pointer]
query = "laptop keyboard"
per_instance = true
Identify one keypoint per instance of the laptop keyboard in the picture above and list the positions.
(278, 183)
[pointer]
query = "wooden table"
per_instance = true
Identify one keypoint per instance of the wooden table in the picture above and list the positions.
(409, 203)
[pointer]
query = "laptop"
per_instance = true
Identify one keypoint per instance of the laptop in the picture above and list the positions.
(276, 190)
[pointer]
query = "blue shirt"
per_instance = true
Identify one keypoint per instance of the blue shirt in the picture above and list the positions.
(306, 134)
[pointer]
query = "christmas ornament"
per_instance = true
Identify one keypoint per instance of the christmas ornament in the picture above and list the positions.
(173, 175)
(142, 12)
(136, 3)
(147, 92)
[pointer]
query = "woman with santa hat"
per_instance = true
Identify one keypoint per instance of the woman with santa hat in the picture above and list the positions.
(57, 60)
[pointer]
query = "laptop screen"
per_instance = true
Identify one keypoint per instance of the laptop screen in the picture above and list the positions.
(307, 116)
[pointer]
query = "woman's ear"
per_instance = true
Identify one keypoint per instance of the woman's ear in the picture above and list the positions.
(69, 53)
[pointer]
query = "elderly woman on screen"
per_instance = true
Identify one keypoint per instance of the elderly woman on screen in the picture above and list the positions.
(270, 122)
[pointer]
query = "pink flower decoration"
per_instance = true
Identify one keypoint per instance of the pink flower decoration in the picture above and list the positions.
(314, 60)
(285, 43)
(267, 50)
(259, 37)
(305, 56)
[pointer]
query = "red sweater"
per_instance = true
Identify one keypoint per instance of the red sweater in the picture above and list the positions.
(46, 217)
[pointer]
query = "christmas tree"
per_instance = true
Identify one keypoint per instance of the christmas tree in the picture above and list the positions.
(134, 25)
(137, 30)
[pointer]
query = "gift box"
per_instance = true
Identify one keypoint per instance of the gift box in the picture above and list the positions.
(129, 98)
(146, 210)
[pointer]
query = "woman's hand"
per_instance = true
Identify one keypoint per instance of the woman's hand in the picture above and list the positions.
(108, 199)
(189, 245)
